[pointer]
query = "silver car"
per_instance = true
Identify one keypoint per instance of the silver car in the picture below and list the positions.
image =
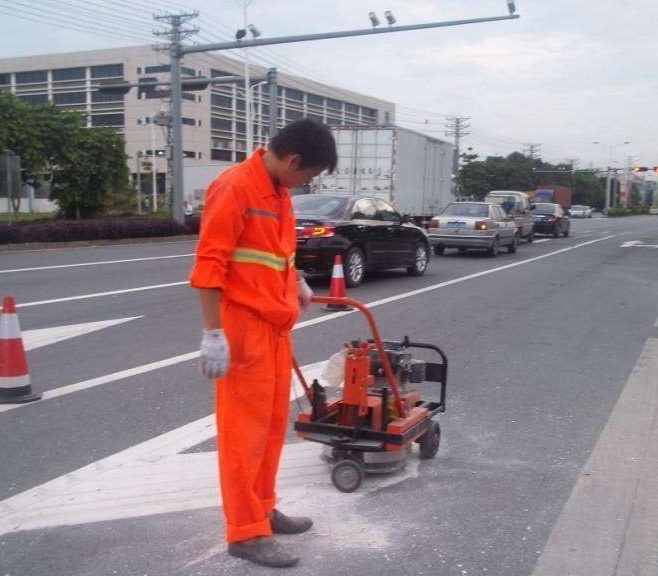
(577, 211)
(477, 225)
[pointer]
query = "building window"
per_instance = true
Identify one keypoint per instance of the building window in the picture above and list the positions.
(240, 104)
(188, 71)
(293, 114)
(241, 127)
(107, 120)
(107, 71)
(334, 104)
(189, 121)
(69, 74)
(157, 69)
(369, 112)
(70, 98)
(351, 108)
(189, 154)
(152, 94)
(221, 124)
(34, 98)
(221, 101)
(315, 117)
(314, 99)
(188, 96)
(294, 95)
(5, 79)
(97, 96)
(224, 155)
(387, 118)
(333, 121)
(31, 77)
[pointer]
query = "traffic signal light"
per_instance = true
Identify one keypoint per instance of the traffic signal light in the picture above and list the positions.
(645, 169)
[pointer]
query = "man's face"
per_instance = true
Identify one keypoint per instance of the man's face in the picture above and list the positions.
(291, 176)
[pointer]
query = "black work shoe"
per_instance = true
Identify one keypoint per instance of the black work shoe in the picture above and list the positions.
(265, 551)
(282, 524)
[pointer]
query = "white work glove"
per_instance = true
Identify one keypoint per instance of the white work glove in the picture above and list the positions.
(215, 354)
(304, 294)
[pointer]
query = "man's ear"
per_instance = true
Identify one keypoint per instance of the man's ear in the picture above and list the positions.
(292, 162)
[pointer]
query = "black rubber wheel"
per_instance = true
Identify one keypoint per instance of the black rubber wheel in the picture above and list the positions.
(347, 475)
(421, 259)
(495, 247)
(513, 246)
(530, 237)
(566, 233)
(439, 249)
(556, 231)
(355, 266)
(429, 442)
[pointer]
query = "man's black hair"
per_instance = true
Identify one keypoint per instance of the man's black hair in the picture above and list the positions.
(311, 140)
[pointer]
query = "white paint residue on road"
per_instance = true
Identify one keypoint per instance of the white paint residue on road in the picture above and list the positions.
(33, 339)
(541, 240)
(100, 263)
(637, 244)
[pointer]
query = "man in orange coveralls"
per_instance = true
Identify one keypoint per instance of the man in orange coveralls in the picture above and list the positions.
(250, 295)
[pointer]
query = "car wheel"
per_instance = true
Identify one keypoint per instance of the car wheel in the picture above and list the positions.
(515, 242)
(355, 264)
(439, 249)
(556, 231)
(495, 247)
(421, 258)
(530, 237)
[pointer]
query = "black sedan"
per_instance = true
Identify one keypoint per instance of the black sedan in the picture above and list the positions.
(551, 219)
(367, 232)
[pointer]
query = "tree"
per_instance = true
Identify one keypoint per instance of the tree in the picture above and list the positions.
(87, 167)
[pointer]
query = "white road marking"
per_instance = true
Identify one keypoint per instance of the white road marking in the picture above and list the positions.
(542, 240)
(312, 322)
(100, 294)
(155, 478)
(33, 339)
(637, 244)
(100, 263)
(609, 525)
(655, 324)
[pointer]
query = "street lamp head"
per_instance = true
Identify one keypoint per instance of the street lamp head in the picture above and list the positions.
(373, 19)
(255, 32)
(390, 18)
(511, 6)
(240, 34)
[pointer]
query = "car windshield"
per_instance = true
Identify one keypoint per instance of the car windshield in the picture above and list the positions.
(466, 209)
(544, 208)
(500, 199)
(319, 205)
(578, 207)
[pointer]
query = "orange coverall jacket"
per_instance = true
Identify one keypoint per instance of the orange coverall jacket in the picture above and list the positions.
(247, 243)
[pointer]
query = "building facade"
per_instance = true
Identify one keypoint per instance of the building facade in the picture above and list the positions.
(214, 120)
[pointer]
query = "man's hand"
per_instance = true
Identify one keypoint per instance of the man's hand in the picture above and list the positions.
(304, 294)
(215, 355)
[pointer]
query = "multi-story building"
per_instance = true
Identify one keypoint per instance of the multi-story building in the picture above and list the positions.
(214, 121)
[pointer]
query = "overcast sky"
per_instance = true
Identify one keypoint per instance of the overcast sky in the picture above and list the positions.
(565, 74)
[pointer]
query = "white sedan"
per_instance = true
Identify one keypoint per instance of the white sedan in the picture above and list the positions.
(479, 225)
(577, 211)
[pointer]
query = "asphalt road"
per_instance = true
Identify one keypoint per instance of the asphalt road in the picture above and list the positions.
(114, 476)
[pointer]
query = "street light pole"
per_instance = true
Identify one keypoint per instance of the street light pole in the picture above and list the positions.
(247, 91)
(608, 179)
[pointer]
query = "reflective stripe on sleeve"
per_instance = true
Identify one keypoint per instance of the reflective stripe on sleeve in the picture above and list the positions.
(261, 212)
(251, 256)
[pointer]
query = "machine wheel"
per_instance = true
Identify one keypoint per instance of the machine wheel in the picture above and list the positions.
(566, 233)
(355, 265)
(493, 251)
(429, 442)
(530, 237)
(512, 247)
(439, 249)
(556, 231)
(421, 258)
(347, 475)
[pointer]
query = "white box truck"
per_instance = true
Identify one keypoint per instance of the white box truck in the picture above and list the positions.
(411, 171)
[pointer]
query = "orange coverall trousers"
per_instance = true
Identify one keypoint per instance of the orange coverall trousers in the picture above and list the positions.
(252, 404)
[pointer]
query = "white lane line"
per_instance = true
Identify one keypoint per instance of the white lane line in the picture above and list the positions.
(312, 322)
(45, 336)
(655, 324)
(541, 240)
(609, 524)
(100, 294)
(95, 263)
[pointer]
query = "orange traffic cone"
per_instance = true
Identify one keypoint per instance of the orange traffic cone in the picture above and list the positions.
(15, 385)
(337, 286)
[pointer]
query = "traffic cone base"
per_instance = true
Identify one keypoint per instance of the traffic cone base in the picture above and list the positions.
(15, 385)
(337, 286)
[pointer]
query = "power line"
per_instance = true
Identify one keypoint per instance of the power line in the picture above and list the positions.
(532, 150)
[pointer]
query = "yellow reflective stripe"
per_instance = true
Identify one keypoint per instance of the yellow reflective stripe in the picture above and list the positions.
(291, 260)
(251, 256)
(261, 212)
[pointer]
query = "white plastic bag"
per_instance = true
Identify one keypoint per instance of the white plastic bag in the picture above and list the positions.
(333, 372)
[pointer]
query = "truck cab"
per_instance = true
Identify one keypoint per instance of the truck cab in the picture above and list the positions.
(517, 205)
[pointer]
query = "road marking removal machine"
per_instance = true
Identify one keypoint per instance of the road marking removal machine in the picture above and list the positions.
(371, 428)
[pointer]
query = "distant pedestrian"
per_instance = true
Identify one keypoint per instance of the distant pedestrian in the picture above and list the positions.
(250, 295)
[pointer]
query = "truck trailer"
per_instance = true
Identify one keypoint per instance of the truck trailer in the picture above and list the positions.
(553, 193)
(409, 170)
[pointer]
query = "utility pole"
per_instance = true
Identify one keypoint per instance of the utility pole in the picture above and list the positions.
(456, 126)
(532, 150)
(176, 35)
(139, 181)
